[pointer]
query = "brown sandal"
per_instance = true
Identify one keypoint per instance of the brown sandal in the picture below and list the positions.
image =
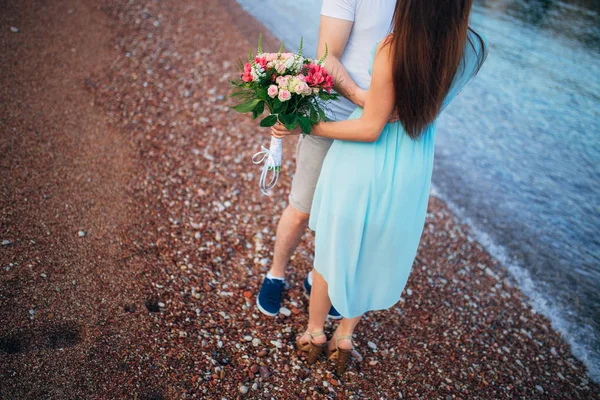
(342, 356)
(313, 350)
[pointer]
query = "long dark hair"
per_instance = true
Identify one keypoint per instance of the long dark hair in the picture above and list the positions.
(427, 45)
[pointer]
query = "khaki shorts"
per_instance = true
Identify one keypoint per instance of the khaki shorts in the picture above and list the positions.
(310, 153)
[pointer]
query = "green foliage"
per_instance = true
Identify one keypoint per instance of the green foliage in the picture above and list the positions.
(281, 48)
(269, 121)
(305, 124)
(260, 43)
(301, 47)
(258, 110)
(322, 59)
(247, 106)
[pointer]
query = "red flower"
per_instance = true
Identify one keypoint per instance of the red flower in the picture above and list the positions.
(318, 76)
(262, 61)
(247, 75)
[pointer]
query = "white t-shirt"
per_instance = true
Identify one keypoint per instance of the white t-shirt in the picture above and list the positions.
(372, 22)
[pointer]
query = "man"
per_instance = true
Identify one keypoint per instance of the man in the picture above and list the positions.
(350, 28)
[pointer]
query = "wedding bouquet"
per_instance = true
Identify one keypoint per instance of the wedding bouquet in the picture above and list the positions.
(293, 89)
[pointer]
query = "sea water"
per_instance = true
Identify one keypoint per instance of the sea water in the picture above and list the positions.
(518, 151)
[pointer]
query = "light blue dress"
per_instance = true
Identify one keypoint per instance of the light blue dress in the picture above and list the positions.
(369, 209)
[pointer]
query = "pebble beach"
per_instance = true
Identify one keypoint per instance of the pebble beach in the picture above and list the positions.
(134, 238)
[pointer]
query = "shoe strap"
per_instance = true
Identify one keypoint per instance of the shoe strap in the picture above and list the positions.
(312, 335)
(338, 338)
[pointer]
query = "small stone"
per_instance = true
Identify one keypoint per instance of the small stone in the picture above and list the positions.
(373, 362)
(182, 334)
(5, 242)
(372, 345)
(264, 372)
(81, 233)
(285, 311)
(161, 304)
(197, 296)
(409, 292)
(538, 387)
(247, 294)
(256, 342)
(276, 343)
(248, 338)
(254, 386)
(262, 353)
(243, 389)
(43, 275)
(254, 368)
(14, 29)
(554, 352)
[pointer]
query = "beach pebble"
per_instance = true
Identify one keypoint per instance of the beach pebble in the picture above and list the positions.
(243, 389)
(182, 334)
(264, 372)
(372, 345)
(248, 338)
(262, 353)
(14, 29)
(276, 343)
(538, 387)
(256, 342)
(161, 304)
(285, 311)
(5, 242)
(81, 233)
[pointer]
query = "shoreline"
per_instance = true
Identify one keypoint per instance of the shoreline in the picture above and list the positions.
(168, 309)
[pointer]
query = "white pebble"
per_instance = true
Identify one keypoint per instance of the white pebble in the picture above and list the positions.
(243, 389)
(372, 345)
(14, 29)
(248, 338)
(276, 343)
(161, 304)
(5, 242)
(538, 387)
(256, 342)
(81, 233)
(285, 311)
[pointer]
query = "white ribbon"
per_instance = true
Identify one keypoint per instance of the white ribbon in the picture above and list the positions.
(272, 162)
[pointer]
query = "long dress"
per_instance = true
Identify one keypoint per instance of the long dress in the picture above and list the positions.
(369, 208)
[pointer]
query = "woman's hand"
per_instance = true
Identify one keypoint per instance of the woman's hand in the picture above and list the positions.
(280, 131)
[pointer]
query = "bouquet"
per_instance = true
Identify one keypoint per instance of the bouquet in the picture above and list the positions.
(293, 89)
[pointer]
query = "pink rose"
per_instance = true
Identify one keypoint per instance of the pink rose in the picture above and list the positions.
(284, 95)
(282, 81)
(280, 67)
(302, 88)
(272, 91)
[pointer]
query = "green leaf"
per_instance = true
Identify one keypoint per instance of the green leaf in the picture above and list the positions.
(280, 48)
(269, 121)
(286, 119)
(322, 59)
(276, 106)
(258, 110)
(322, 114)
(305, 124)
(314, 116)
(301, 46)
(247, 106)
(260, 49)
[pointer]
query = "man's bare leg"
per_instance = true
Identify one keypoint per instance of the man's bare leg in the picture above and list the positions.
(290, 230)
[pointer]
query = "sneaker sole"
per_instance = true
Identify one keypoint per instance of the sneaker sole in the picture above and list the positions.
(262, 310)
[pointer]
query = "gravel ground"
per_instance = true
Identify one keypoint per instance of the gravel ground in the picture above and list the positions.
(134, 236)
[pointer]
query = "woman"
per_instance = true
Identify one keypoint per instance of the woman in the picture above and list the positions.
(371, 198)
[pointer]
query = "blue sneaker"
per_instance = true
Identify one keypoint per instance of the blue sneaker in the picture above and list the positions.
(268, 300)
(333, 313)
